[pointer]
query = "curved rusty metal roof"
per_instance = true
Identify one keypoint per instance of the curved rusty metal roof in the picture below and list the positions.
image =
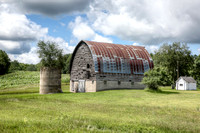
(116, 58)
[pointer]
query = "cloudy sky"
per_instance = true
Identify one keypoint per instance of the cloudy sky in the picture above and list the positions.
(132, 22)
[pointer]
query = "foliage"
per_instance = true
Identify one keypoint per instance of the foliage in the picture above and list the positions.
(196, 69)
(16, 66)
(158, 76)
(67, 59)
(31, 67)
(173, 56)
(24, 78)
(151, 79)
(4, 62)
(24, 110)
(50, 54)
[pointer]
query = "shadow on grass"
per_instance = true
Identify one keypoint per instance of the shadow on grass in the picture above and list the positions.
(115, 89)
(162, 92)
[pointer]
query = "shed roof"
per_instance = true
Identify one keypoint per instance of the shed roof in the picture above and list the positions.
(117, 58)
(187, 79)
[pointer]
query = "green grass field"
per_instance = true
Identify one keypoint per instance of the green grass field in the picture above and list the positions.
(22, 109)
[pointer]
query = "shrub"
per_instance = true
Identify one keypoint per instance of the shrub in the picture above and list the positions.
(151, 79)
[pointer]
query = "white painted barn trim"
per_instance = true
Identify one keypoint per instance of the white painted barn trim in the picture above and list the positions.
(186, 83)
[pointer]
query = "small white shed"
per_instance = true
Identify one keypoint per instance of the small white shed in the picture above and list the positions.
(186, 83)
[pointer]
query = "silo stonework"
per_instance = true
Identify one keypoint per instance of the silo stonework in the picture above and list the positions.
(99, 66)
(50, 80)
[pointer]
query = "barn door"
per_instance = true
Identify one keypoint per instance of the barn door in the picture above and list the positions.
(81, 86)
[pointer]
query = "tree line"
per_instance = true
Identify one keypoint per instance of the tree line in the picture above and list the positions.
(8, 66)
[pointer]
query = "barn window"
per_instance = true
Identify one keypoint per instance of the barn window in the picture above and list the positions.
(92, 81)
(105, 82)
(132, 83)
(181, 84)
(119, 82)
(88, 65)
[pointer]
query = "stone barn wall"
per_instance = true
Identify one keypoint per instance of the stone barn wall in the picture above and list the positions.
(83, 66)
(83, 69)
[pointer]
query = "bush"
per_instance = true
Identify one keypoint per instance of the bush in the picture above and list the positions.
(151, 79)
(4, 62)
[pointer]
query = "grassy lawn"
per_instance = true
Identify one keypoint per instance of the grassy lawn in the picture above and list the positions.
(22, 109)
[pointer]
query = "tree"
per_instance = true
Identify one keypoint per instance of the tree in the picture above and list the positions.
(50, 54)
(176, 58)
(67, 59)
(4, 62)
(196, 69)
(15, 66)
(31, 67)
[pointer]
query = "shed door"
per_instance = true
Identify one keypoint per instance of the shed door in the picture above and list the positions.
(81, 86)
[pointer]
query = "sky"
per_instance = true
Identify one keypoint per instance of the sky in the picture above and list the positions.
(148, 23)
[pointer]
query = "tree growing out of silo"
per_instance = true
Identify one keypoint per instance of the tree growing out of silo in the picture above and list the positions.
(50, 54)
(51, 65)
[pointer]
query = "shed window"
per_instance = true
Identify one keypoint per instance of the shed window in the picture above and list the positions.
(181, 84)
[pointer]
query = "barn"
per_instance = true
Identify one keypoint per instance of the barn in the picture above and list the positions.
(186, 83)
(99, 66)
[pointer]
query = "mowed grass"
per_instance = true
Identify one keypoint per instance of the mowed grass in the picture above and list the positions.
(24, 110)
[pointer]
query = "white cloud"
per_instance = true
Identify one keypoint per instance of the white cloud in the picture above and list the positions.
(82, 31)
(30, 57)
(152, 48)
(147, 23)
(61, 43)
(199, 50)
(62, 24)
(100, 38)
(135, 44)
(15, 26)
(17, 32)
(18, 35)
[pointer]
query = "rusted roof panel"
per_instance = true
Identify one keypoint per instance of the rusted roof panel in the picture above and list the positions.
(116, 58)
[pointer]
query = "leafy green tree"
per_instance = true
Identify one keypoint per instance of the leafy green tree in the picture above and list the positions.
(196, 69)
(31, 67)
(15, 65)
(50, 54)
(67, 59)
(175, 57)
(4, 62)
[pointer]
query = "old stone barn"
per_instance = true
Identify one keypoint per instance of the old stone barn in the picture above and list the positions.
(98, 66)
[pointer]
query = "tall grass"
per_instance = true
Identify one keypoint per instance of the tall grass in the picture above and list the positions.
(24, 78)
